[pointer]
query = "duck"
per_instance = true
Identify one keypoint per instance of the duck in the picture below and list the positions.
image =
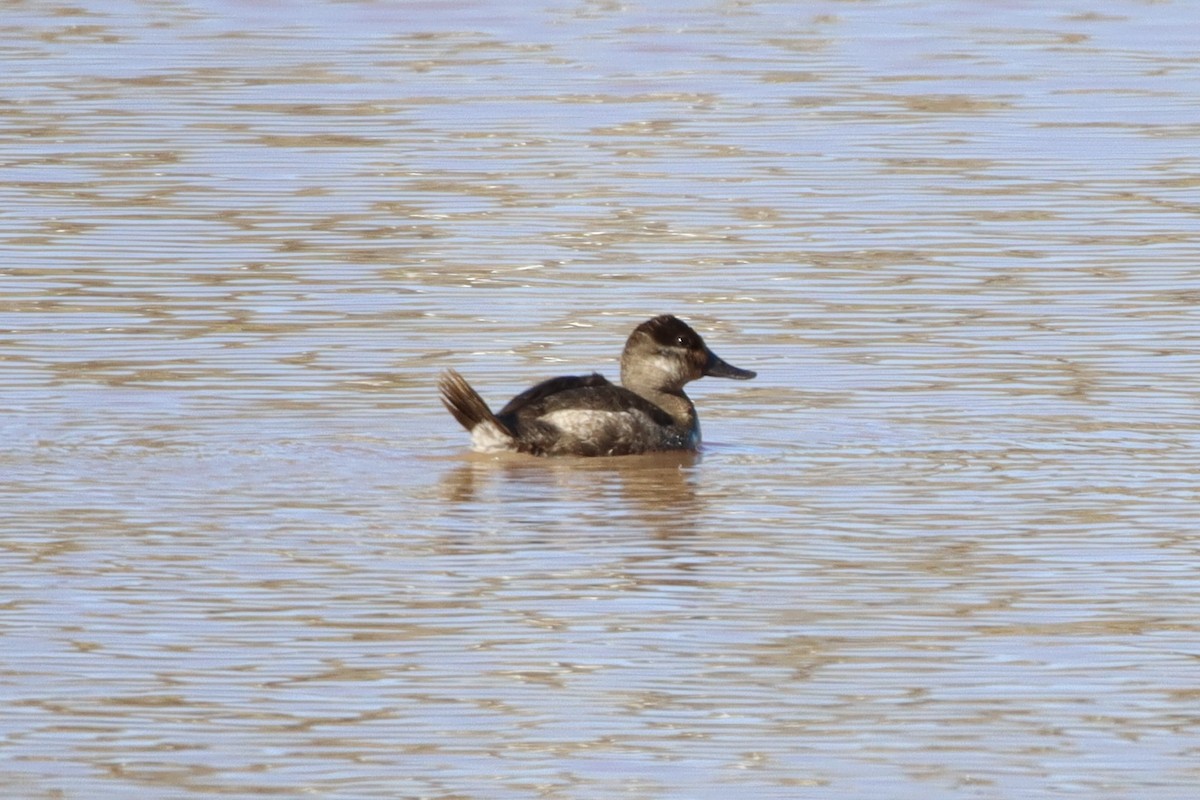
(587, 415)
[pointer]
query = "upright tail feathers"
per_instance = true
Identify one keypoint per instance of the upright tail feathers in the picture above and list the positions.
(468, 407)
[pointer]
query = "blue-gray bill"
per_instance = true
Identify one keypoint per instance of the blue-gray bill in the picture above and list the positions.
(719, 368)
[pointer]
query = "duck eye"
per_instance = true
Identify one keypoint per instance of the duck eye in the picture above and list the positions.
(680, 341)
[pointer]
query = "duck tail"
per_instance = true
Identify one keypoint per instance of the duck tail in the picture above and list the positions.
(465, 404)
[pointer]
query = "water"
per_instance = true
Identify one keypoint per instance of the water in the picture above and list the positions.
(943, 546)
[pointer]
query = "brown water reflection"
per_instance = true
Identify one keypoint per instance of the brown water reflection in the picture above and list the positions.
(943, 546)
(656, 492)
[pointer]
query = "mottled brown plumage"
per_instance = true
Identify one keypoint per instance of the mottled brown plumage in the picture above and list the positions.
(589, 416)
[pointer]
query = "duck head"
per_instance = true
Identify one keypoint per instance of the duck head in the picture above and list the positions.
(664, 353)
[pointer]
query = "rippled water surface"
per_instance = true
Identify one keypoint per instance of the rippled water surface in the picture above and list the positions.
(945, 546)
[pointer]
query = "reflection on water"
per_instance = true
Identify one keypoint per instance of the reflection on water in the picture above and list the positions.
(943, 546)
(656, 492)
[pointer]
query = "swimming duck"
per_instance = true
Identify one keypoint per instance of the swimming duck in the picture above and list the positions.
(586, 415)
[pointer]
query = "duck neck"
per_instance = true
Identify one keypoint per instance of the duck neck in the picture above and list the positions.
(675, 403)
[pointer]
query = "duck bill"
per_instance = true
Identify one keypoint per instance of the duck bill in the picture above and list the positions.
(717, 368)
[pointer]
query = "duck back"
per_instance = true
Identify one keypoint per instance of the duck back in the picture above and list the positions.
(588, 416)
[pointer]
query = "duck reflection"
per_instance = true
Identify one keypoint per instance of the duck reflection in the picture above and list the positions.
(656, 491)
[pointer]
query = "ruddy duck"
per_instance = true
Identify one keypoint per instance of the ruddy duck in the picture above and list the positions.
(586, 415)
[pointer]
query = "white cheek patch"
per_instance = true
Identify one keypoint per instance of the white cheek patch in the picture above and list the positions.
(668, 366)
(487, 437)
